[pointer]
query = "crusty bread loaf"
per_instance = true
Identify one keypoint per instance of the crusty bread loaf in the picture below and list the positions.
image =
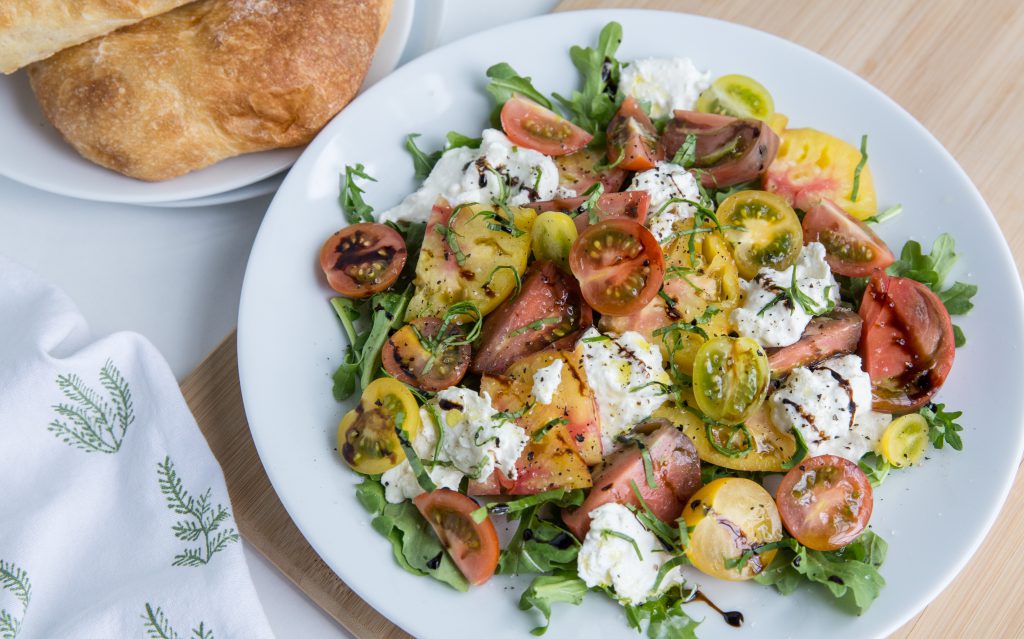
(31, 30)
(208, 81)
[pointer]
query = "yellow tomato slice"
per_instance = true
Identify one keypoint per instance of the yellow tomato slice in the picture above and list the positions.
(811, 165)
(367, 437)
(905, 440)
(727, 518)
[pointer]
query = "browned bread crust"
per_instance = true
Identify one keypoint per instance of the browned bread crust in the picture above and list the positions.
(208, 81)
(31, 30)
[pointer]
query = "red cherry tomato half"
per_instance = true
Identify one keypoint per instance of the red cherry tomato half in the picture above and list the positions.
(619, 265)
(825, 502)
(529, 124)
(363, 259)
(473, 547)
(851, 247)
(633, 137)
(433, 366)
(907, 342)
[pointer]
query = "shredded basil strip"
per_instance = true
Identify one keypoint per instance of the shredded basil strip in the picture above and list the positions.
(607, 532)
(645, 455)
(660, 529)
(799, 453)
(667, 567)
(541, 432)
(686, 156)
(422, 477)
(535, 325)
(729, 452)
(860, 167)
(515, 274)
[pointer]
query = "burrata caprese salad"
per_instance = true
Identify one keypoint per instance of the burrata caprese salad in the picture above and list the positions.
(611, 320)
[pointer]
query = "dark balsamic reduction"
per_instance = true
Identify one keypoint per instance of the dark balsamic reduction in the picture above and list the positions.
(435, 561)
(732, 617)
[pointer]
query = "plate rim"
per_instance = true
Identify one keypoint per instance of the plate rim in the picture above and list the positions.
(953, 569)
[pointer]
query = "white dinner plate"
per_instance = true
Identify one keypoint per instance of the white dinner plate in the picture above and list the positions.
(34, 153)
(289, 341)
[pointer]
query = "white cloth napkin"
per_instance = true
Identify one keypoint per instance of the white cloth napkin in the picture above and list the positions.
(114, 517)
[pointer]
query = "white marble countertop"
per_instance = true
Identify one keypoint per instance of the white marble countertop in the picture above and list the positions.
(174, 275)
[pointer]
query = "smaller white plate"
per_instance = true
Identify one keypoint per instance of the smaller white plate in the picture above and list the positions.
(34, 153)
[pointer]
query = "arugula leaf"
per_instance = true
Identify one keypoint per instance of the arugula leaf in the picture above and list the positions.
(545, 590)
(850, 573)
(505, 83)
(915, 265)
(664, 615)
(959, 339)
(415, 546)
(957, 298)
(875, 467)
(538, 546)
(423, 163)
(352, 204)
(347, 373)
(942, 426)
(593, 107)
(851, 289)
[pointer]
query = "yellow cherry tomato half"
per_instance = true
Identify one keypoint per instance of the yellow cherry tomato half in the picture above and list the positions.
(905, 440)
(367, 436)
(728, 518)
(763, 229)
(738, 96)
(553, 235)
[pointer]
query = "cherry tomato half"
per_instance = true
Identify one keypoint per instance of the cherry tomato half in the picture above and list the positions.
(764, 231)
(730, 378)
(415, 355)
(738, 96)
(581, 170)
(473, 547)
(851, 247)
(633, 137)
(619, 265)
(907, 342)
(367, 439)
(363, 259)
(825, 502)
(529, 124)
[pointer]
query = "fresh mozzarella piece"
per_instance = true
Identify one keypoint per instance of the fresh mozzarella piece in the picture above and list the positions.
(626, 374)
(472, 175)
(400, 482)
(608, 559)
(783, 322)
(830, 404)
(475, 441)
(666, 184)
(666, 84)
(546, 381)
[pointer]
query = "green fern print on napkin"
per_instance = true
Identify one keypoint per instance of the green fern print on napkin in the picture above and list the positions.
(91, 420)
(201, 519)
(157, 626)
(15, 581)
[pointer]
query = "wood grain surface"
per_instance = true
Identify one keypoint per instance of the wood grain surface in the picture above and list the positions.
(956, 66)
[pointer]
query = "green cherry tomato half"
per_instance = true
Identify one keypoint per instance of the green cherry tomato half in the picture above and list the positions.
(730, 378)
(763, 229)
(738, 96)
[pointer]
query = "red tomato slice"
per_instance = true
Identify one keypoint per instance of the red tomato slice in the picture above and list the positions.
(409, 361)
(619, 265)
(632, 135)
(529, 124)
(363, 259)
(674, 465)
(851, 247)
(907, 343)
(628, 204)
(511, 332)
(825, 502)
(473, 547)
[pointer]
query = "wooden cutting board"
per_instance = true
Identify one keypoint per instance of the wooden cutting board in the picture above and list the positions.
(957, 66)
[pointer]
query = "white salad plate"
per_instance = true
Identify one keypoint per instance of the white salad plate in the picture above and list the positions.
(34, 153)
(289, 341)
